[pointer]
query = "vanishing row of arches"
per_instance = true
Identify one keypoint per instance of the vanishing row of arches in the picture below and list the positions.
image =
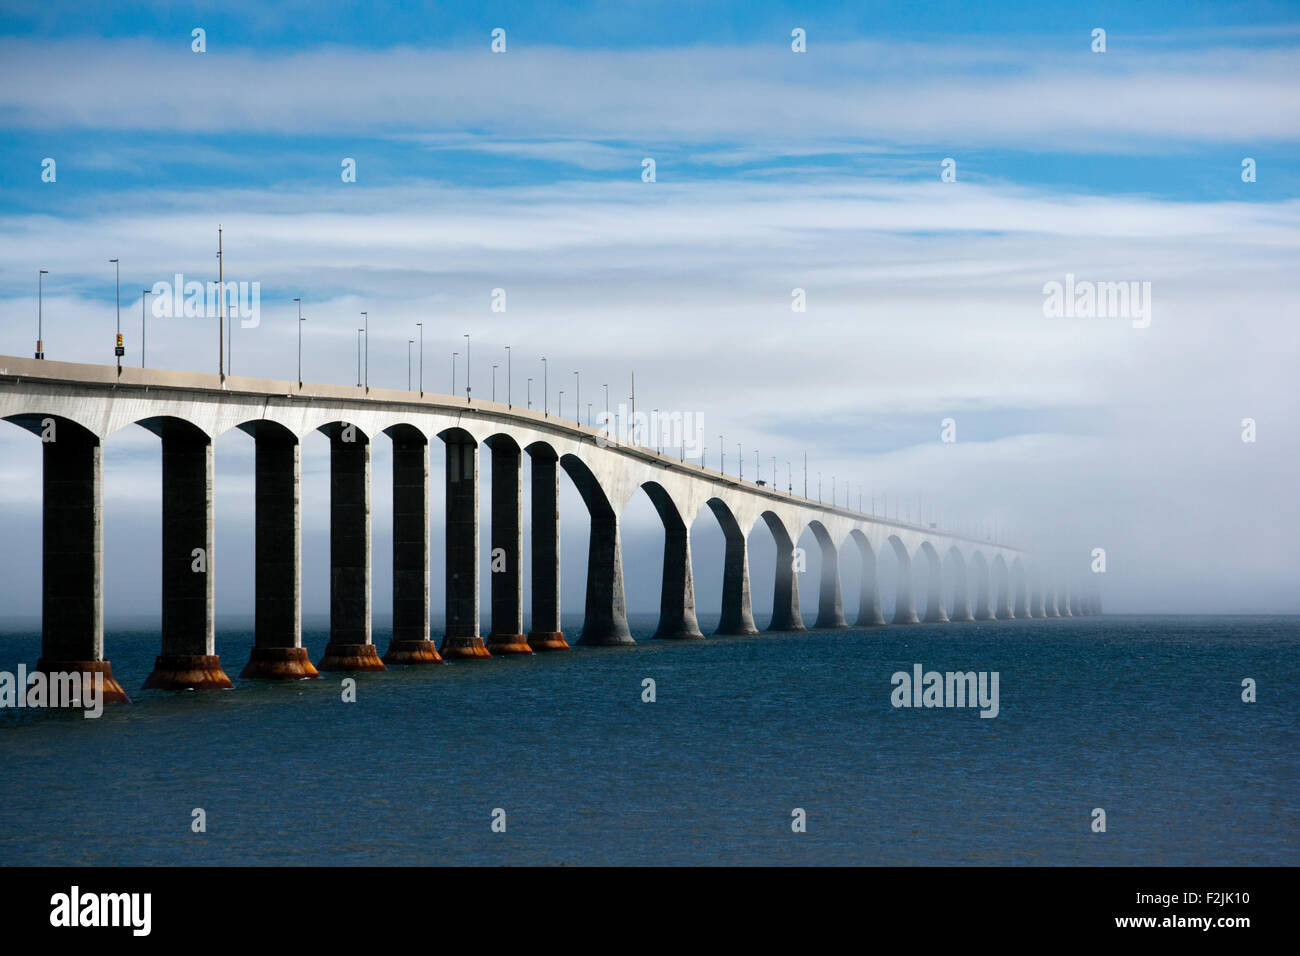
(72, 558)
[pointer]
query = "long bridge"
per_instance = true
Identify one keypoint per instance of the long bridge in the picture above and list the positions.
(74, 408)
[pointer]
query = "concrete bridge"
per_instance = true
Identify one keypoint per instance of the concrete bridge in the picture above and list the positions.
(75, 408)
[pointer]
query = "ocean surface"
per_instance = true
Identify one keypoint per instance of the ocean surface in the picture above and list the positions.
(1140, 716)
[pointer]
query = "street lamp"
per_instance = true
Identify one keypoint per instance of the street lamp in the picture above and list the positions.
(144, 297)
(118, 350)
(606, 405)
(740, 459)
(654, 426)
(577, 398)
(297, 299)
(467, 366)
(509, 376)
(546, 389)
(420, 326)
(722, 455)
(559, 408)
(494, 382)
(589, 414)
(454, 356)
(530, 393)
(40, 313)
(366, 316)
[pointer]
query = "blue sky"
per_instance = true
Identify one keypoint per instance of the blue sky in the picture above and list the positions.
(774, 171)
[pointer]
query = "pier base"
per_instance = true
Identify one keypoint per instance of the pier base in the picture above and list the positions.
(412, 652)
(548, 641)
(498, 644)
(350, 657)
(188, 672)
(113, 692)
(278, 663)
(463, 648)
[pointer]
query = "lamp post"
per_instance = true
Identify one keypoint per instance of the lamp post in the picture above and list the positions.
(546, 389)
(530, 393)
(559, 408)
(366, 316)
(467, 366)
(589, 414)
(722, 455)
(740, 461)
(789, 478)
(494, 383)
(606, 405)
(454, 356)
(118, 349)
(297, 299)
(654, 427)
(144, 297)
(420, 326)
(509, 376)
(40, 313)
(577, 398)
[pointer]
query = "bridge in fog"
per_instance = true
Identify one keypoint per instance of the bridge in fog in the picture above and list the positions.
(73, 409)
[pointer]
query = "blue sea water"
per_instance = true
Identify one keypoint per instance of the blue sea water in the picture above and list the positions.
(1141, 716)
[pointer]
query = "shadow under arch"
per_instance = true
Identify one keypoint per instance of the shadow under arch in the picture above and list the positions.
(677, 620)
(935, 612)
(830, 602)
(982, 581)
(605, 619)
(869, 596)
(737, 615)
(785, 599)
(545, 633)
(904, 602)
(961, 610)
(462, 640)
(507, 547)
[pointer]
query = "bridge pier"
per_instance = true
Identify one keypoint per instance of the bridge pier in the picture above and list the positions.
(869, 613)
(462, 640)
(72, 558)
(786, 615)
(410, 643)
(351, 646)
(1049, 603)
(605, 622)
(545, 633)
(961, 610)
(737, 615)
(188, 658)
(1004, 612)
(1063, 602)
(935, 612)
(904, 602)
(1036, 606)
(1021, 609)
(277, 652)
(830, 601)
(983, 597)
(677, 620)
(507, 636)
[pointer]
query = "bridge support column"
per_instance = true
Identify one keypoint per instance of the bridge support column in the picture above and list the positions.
(961, 594)
(869, 614)
(1049, 603)
(677, 619)
(1063, 602)
(410, 643)
(830, 601)
(935, 612)
(72, 578)
(278, 653)
(1004, 599)
(545, 633)
(1076, 606)
(188, 658)
(1036, 607)
(737, 612)
(786, 615)
(351, 646)
(462, 639)
(1021, 610)
(507, 636)
(904, 602)
(606, 613)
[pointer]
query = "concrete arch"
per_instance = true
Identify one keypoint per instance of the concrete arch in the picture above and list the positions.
(961, 610)
(830, 602)
(1001, 580)
(935, 612)
(677, 618)
(605, 619)
(737, 615)
(868, 596)
(904, 603)
(785, 599)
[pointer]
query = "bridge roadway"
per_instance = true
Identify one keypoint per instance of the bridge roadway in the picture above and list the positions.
(74, 408)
